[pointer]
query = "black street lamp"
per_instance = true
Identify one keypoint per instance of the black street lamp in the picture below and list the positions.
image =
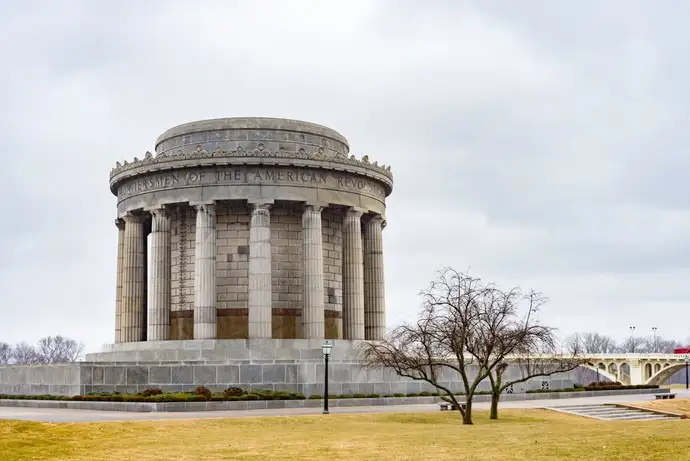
(632, 339)
(326, 349)
(687, 359)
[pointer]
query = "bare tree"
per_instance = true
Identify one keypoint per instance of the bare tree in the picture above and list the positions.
(58, 349)
(636, 344)
(652, 344)
(591, 343)
(464, 324)
(5, 353)
(25, 354)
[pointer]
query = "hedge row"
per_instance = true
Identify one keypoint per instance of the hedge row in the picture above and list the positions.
(202, 394)
(598, 387)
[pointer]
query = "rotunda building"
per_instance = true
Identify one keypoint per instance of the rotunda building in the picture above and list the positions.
(244, 228)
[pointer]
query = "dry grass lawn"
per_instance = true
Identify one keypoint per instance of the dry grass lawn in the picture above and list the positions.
(520, 435)
(681, 406)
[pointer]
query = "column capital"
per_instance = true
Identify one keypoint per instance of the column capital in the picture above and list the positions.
(160, 212)
(355, 213)
(208, 207)
(131, 218)
(315, 207)
(120, 223)
(260, 206)
(374, 218)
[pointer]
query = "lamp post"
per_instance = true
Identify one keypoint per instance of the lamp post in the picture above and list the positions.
(326, 349)
(632, 339)
(654, 345)
(687, 359)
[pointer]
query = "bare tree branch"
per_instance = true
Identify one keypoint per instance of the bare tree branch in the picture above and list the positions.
(58, 349)
(24, 354)
(5, 353)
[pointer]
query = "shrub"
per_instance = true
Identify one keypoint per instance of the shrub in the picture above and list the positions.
(251, 397)
(204, 392)
(150, 392)
(233, 392)
(398, 394)
(413, 394)
(315, 397)
(300, 397)
(425, 394)
(373, 396)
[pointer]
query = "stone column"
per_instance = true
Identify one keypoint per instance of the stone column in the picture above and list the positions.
(205, 273)
(374, 286)
(353, 276)
(260, 289)
(313, 314)
(120, 223)
(159, 291)
(133, 308)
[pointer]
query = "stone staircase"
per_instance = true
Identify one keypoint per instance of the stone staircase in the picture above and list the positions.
(609, 412)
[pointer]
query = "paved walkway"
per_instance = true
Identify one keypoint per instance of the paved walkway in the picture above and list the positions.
(64, 415)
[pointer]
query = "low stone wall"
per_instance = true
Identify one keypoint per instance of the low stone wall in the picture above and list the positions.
(146, 407)
(293, 365)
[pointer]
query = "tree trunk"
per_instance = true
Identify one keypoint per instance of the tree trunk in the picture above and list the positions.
(467, 417)
(495, 397)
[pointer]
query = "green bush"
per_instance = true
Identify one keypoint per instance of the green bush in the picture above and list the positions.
(204, 392)
(251, 397)
(233, 392)
(315, 397)
(150, 392)
(398, 394)
(373, 396)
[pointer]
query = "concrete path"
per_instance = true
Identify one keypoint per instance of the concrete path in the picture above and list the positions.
(64, 415)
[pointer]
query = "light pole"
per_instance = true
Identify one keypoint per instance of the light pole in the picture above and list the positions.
(326, 349)
(632, 339)
(687, 359)
(654, 345)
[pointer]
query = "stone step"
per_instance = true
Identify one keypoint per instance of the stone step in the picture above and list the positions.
(607, 411)
(612, 413)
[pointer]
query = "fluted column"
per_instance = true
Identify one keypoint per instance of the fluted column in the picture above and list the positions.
(133, 280)
(205, 273)
(159, 291)
(353, 276)
(313, 314)
(118, 284)
(260, 291)
(374, 286)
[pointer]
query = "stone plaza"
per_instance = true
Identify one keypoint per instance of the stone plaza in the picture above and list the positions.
(242, 245)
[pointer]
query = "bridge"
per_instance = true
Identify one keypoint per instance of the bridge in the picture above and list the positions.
(635, 369)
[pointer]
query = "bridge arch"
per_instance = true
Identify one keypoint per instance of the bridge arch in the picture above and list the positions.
(648, 371)
(657, 368)
(601, 369)
(663, 375)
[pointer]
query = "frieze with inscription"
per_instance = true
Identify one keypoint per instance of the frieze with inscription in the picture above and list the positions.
(243, 175)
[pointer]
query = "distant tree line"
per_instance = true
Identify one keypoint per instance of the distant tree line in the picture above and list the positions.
(597, 343)
(51, 349)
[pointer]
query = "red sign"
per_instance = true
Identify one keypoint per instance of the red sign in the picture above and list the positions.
(682, 350)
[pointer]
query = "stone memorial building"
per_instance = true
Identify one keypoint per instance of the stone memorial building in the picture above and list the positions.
(258, 228)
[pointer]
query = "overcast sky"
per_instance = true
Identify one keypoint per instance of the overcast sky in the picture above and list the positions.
(538, 143)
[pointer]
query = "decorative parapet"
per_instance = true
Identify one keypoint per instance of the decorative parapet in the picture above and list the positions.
(259, 151)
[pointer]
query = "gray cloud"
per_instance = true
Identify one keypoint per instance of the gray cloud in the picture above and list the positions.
(540, 144)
